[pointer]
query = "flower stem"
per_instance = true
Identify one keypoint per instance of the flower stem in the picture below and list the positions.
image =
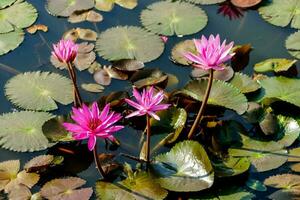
(98, 163)
(203, 105)
(148, 141)
(72, 74)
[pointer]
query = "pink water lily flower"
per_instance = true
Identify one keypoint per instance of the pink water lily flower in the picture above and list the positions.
(91, 123)
(147, 103)
(65, 51)
(211, 54)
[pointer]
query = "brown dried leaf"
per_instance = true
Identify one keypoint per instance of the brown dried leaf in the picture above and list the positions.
(87, 34)
(38, 163)
(37, 27)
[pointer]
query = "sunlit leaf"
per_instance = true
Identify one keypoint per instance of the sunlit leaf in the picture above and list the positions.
(173, 18)
(244, 83)
(20, 15)
(129, 42)
(289, 130)
(293, 45)
(281, 13)
(139, 187)
(281, 88)
(10, 41)
(39, 90)
(231, 166)
(186, 167)
(22, 131)
(65, 8)
(274, 64)
(222, 94)
(5, 3)
(66, 188)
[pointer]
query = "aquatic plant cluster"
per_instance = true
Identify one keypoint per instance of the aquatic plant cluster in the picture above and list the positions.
(222, 125)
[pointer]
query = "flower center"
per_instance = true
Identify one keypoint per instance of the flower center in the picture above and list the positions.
(94, 123)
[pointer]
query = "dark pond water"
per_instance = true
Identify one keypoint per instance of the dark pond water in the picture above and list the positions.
(267, 41)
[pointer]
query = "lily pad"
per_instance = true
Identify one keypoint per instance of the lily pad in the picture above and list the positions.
(231, 166)
(65, 8)
(205, 2)
(38, 163)
(281, 88)
(129, 42)
(173, 18)
(293, 45)
(66, 188)
(173, 173)
(108, 5)
(244, 83)
(90, 16)
(288, 185)
(180, 48)
(245, 3)
(128, 65)
(148, 77)
(281, 13)
(5, 3)
(222, 94)
(10, 41)
(140, 186)
(289, 131)
(39, 90)
(92, 87)
(224, 75)
(22, 131)
(19, 192)
(274, 64)
(294, 155)
(20, 15)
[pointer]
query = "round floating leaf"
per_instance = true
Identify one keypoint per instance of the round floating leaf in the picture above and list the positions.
(19, 192)
(148, 77)
(244, 83)
(231, 166)
(129, 42)
(274, 64)
(222, 94)
(288, 183)
(22, 131)
(205, 2)
(108, 5)
(223, 75)
(66, 188)
(170, 18)
(10, 41)
(294, 155)
(92, 87)
(38, 162)
(19, 15)
(256, 185)
(281, 88)
(65, 8)
(281, 13)
(180, 48)
(139, 187)
(128, 65)
(173, 173)
(289, 131)
(82, 16)
(39, 90)
(5, 3)
(9, 169)
(293, 44)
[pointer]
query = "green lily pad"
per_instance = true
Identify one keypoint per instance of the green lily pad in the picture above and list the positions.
(20, 15)
(293, 44)
(256, 185)
(205, 2)
(65, 8)
(10, 41)
(274, 64)
(5, 3)
(289, 131)
(66, 188)
(281, 13)
(129, 42)
(148, 77)
(231, 166)
(108, 5)
(222, 94)
(139, 186)
(186, 167)
(281, 88)
(22, 131)
(180, 48)
(39, 90)
(294, 155)
(288, 185)
(173, 18)
(244, 83)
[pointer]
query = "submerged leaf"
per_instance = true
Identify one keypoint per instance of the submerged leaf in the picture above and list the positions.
(22, 131)
(10, 41)
(66, 188)
(39, 90)
(222, 94)
(186, 167)
(274, 64)
(170, 18)
(139, 187)
(129, 42)
(65, 8)
(256, 185)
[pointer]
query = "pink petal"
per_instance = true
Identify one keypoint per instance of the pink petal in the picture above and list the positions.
(160, 107)
(152, 114)
(92, 142)
(95, 110)
(134, 104)
(104, 112)
(136, 113)
(74, 128)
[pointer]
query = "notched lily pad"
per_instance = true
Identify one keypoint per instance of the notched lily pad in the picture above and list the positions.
(173, 18)
(148, 77)
(129, 42)
(39, 90)
(128, 65)
(274, 64)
